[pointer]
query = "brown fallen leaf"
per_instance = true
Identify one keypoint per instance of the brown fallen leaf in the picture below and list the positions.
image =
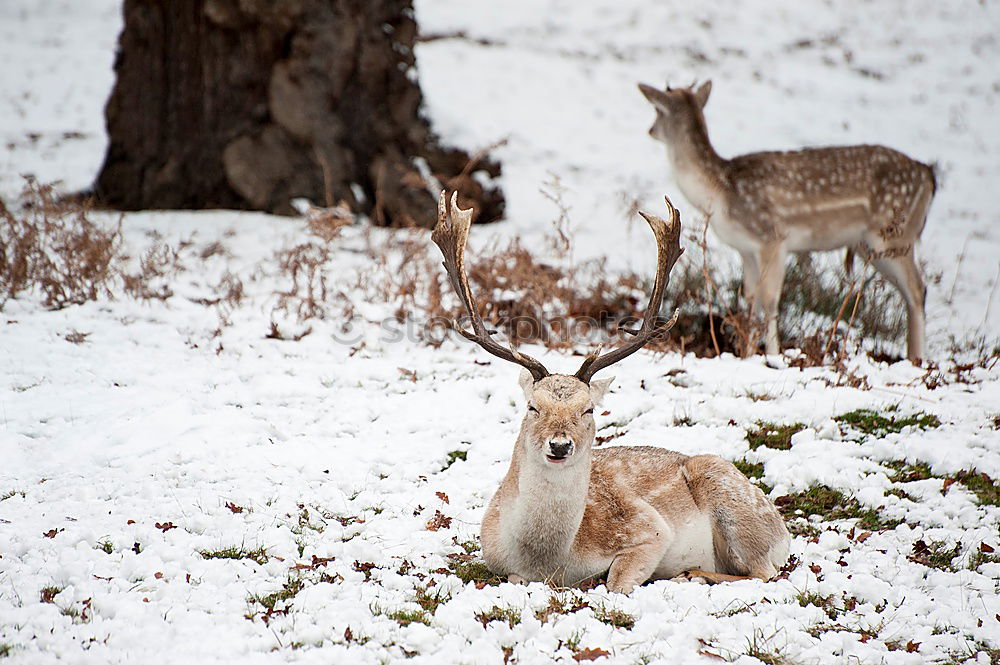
(439, 521)
(442, 496)
(52, 533)
(985, 549)
(590, 654)
(166, 526)
(709, 654)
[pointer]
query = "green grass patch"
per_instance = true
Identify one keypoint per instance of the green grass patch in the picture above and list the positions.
(770, 435)
(471, 546)
(831, 504)
(288, 591)
(873, 423)
(900, 494)
(429, 602)
(935, 554)
(6, 649)
(469, 569)
(754, 471)
(825, 603)
(982, 556)
(614, 617)
(985, 488)
(561, 603)
(11, 494)
(455, 456)
(258, 555)
(106, 546)
(47, 594)
(904, 472)
(759, 647)
(508, 615)
(406, 617)
(750, 469)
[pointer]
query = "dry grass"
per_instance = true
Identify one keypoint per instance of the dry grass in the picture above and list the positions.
(52, 247)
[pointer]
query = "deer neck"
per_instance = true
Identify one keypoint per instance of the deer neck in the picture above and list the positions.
(541, 523)
(699, 170)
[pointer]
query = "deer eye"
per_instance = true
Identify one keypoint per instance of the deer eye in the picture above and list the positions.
(588, 411)
(532, 409)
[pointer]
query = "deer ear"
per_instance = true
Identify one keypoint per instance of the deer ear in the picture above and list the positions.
(655, 97)
(598, 388)
(702, 93)
(527, 383)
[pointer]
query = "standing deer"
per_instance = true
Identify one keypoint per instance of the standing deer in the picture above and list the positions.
(565, 512)
(868, 198)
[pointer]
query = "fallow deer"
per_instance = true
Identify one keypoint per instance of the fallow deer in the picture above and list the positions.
(868, 198)
(566, 512)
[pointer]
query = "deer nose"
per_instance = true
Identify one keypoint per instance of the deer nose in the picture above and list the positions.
(560, 448)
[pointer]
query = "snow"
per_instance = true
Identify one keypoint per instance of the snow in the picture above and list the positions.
(158, 439)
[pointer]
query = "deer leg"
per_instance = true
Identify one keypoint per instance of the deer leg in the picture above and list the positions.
(751, 274)
(711, 577)
(902, 272)
(633, 567)
(771, 260)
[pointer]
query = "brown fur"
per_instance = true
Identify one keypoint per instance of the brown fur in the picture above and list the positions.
(621, 510)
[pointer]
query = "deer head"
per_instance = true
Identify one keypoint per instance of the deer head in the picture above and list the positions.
(676, 108)
(559, 424)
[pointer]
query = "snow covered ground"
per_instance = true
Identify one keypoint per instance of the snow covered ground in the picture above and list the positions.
(321, 465)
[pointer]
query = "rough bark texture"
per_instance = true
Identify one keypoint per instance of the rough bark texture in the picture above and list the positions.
(250, 103)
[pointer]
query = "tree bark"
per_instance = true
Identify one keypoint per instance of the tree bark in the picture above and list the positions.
(250, 103)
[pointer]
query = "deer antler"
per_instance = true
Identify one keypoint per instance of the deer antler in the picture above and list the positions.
(668, 250)
(451, 235)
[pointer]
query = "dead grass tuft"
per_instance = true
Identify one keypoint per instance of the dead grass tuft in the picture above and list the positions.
(52, 247)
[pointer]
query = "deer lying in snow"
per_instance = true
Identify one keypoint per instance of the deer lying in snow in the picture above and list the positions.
(565, 512)
(867, 198)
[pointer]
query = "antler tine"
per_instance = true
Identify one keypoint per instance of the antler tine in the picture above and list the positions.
(668, 250)
(451, 235)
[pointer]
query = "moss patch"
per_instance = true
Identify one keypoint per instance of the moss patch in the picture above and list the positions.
(508, 615)
(614, 617)
(831, 504)
(870, 422)
(468, 569)
(258, 555)
(770, 435)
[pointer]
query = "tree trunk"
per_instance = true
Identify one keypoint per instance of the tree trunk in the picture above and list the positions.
(250, 103)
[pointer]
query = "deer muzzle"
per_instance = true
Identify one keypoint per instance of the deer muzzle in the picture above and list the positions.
(559, 449)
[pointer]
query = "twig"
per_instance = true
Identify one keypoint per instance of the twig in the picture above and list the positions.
(857, 301)
(476, 158)
(958, 269)
(708, 286)
(989, 302)
(840, 313)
